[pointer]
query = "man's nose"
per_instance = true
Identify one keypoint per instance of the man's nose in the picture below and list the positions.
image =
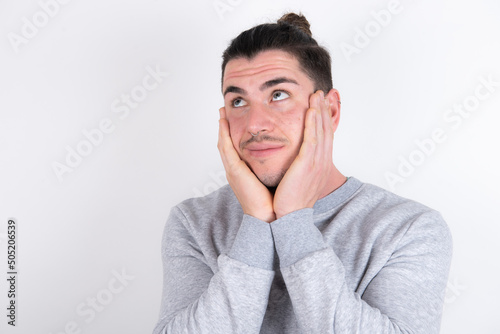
(259, 119)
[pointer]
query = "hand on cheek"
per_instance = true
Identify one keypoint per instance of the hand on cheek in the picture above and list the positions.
(304, 181)
(254, 197)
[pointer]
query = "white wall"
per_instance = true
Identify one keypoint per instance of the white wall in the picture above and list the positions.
(78, 231)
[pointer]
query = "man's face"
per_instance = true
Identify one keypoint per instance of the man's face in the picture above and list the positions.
(267, 96)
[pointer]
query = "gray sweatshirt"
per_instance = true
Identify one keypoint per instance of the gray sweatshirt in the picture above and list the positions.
(363, 260)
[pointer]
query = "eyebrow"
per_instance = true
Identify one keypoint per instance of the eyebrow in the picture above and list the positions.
(234, 89)
(275, 82)
(265, 85)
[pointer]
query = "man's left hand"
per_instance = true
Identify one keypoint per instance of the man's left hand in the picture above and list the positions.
(307, 176)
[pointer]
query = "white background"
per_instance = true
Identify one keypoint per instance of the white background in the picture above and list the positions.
(107, 215)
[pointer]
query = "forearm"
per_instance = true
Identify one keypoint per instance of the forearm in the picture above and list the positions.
(323, 303)
(233, 300)
(405, 295)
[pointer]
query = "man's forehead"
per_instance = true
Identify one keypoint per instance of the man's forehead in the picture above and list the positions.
(266, 64)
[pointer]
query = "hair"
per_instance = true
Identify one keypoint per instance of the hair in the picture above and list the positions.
(291, 34)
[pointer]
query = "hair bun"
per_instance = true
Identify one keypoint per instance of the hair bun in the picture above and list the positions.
(298, 21)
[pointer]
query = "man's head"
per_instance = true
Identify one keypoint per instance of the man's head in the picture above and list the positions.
(290, 34)
(269, 74)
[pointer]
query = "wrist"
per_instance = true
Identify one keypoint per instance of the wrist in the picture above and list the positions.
(265, 216)
(284, 212)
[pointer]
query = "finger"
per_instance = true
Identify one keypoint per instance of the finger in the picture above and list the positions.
(310, 139)
(328, 129)
(314, 100)
(319, 122)
(223, 128)
(309, 142)
(227, 151)
(222, 112)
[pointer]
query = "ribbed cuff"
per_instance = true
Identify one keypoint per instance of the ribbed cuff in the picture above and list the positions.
(295, 236)
(253, 244)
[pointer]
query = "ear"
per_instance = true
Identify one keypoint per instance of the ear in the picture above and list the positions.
(333, 97)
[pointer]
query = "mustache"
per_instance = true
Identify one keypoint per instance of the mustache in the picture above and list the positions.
(260, 138)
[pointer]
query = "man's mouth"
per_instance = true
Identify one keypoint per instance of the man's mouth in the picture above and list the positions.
(263, 150)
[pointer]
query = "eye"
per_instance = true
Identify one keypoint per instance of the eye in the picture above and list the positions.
(238, 103)
(280, 95)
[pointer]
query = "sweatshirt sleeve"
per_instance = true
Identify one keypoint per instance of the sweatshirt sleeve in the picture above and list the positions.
(232, 300)
(406, 296)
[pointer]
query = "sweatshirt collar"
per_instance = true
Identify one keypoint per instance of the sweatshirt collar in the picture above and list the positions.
(338, 196)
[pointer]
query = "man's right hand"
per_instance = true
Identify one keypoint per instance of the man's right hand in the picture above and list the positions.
(254, 197)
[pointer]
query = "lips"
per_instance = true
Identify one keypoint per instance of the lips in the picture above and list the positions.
(261, 150)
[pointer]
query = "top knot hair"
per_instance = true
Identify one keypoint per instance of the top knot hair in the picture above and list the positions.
(290, 34)
(298, 21)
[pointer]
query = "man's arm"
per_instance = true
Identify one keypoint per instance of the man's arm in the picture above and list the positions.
(232, 300)
(405, 296)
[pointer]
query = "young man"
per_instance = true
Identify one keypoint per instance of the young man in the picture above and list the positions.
(291, 245)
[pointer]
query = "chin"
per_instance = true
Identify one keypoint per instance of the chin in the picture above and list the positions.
(270, 174)
(271, 180)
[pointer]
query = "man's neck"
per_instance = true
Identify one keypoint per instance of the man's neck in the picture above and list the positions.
(334, 182)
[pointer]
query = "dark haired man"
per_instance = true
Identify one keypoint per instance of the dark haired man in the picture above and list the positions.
(291, 245)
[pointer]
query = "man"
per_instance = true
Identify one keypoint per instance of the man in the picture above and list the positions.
(291, 245)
